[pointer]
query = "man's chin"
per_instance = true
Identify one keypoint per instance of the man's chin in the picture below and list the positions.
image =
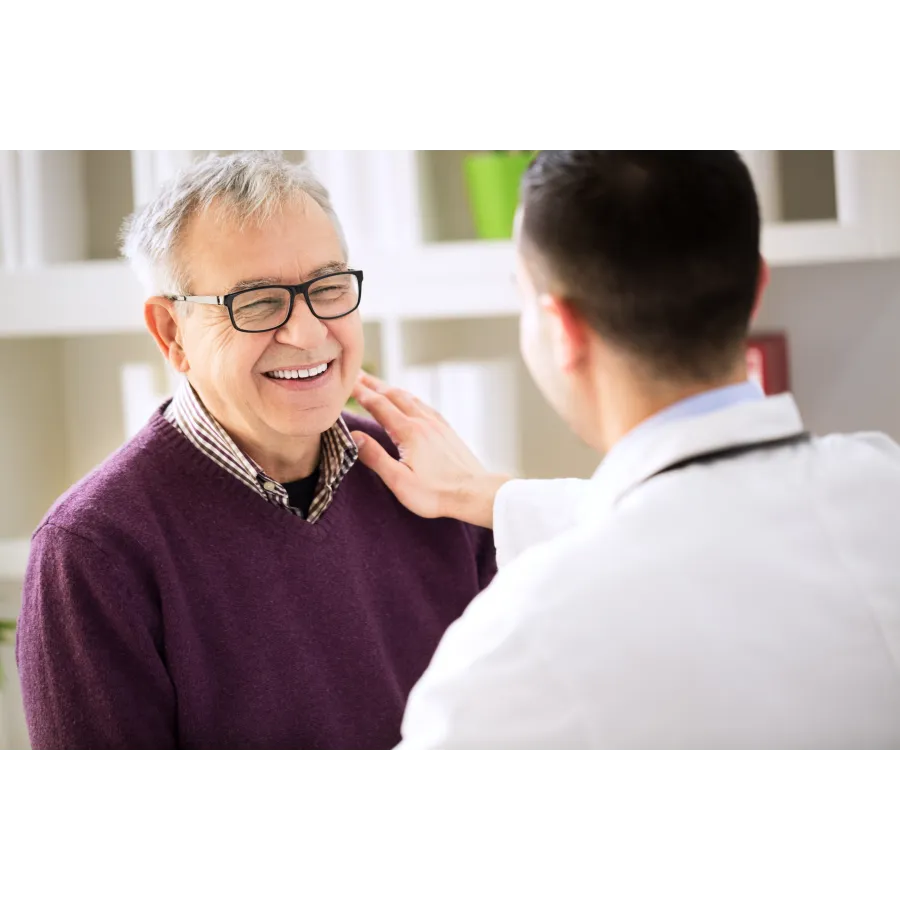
(309, 423)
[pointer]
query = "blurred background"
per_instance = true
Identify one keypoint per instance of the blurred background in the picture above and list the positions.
(431, 229)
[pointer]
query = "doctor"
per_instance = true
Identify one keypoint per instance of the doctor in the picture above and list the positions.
(724, 579)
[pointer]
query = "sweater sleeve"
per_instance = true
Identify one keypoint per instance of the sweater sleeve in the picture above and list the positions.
(89, 651)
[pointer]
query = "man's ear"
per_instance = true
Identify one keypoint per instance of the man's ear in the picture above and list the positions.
(569, 331)
(761, 285)
(162, 322)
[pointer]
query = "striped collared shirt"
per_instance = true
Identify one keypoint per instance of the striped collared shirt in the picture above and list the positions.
(188, 414)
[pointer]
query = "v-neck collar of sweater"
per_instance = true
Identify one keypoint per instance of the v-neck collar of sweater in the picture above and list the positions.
(193, 461)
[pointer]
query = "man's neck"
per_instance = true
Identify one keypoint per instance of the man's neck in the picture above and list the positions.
(625, 403)
(283, 458)
(301, 462)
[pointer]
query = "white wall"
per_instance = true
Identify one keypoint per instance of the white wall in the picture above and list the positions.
(843, 326)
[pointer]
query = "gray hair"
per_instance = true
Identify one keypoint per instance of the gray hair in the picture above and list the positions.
(250, 186)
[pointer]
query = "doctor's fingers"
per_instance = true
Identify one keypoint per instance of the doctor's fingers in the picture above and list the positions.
(398, 477)
(393, 419)
(404, 401)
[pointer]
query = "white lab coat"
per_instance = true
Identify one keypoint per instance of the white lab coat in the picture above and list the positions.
(752, 601)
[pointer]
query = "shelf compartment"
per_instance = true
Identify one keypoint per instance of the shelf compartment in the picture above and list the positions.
(32, 440)
(63, 206)
(13, 559)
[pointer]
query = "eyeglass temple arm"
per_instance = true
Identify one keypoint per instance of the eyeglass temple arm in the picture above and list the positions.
(215, 301)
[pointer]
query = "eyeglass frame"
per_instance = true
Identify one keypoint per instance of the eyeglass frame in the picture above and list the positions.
(227, 300)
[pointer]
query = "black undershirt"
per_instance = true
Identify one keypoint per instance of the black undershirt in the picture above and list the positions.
(301, 492)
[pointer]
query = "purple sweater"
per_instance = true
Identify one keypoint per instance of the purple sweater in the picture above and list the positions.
(168, 606)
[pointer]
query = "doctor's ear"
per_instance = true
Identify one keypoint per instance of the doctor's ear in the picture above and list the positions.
(569, 331)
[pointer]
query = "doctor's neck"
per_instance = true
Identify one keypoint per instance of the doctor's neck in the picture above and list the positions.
(624, 396)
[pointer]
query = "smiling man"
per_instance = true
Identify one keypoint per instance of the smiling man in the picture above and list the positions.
(231, 578)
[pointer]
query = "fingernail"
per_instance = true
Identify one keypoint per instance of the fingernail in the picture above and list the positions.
(360, 441)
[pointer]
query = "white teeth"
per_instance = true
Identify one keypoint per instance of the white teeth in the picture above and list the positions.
(299, 373)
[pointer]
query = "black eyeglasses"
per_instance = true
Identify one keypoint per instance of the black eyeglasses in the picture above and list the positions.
(267, 308)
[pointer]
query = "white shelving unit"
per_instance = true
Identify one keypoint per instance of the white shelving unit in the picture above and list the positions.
(823, 206)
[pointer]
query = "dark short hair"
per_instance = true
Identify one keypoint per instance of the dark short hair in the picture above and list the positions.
(657, 249)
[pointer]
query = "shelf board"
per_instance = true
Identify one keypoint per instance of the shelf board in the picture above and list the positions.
(441, 280)
(13, 559)
(465, 279)
(96, 297)
(808, 243)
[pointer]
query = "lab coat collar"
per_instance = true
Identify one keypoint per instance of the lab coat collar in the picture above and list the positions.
(644, 452)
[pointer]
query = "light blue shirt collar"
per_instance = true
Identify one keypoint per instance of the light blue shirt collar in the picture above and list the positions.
(697, 405)
(707, 402)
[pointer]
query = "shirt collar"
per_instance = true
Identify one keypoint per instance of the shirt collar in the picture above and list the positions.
(704, 402)
(339, 451)
(715, 420)
(697, 405)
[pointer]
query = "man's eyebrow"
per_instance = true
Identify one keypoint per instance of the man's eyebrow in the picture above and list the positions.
(328, 268)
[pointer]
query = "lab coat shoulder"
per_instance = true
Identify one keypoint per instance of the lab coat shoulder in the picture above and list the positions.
(864, 441)
(869, 458)
(501, 676)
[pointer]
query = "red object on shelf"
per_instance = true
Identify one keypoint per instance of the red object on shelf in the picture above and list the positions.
(767, 362)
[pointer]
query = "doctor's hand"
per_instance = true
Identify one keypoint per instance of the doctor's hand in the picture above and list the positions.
(437, 475)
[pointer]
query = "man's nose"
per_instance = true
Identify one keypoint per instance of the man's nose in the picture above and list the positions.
(302, 329)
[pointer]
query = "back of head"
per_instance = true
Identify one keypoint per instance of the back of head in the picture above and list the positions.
(658, 250)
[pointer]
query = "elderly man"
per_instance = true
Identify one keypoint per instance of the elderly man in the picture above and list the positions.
(231, 578)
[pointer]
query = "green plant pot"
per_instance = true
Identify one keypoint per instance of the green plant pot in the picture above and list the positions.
(493, 182)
